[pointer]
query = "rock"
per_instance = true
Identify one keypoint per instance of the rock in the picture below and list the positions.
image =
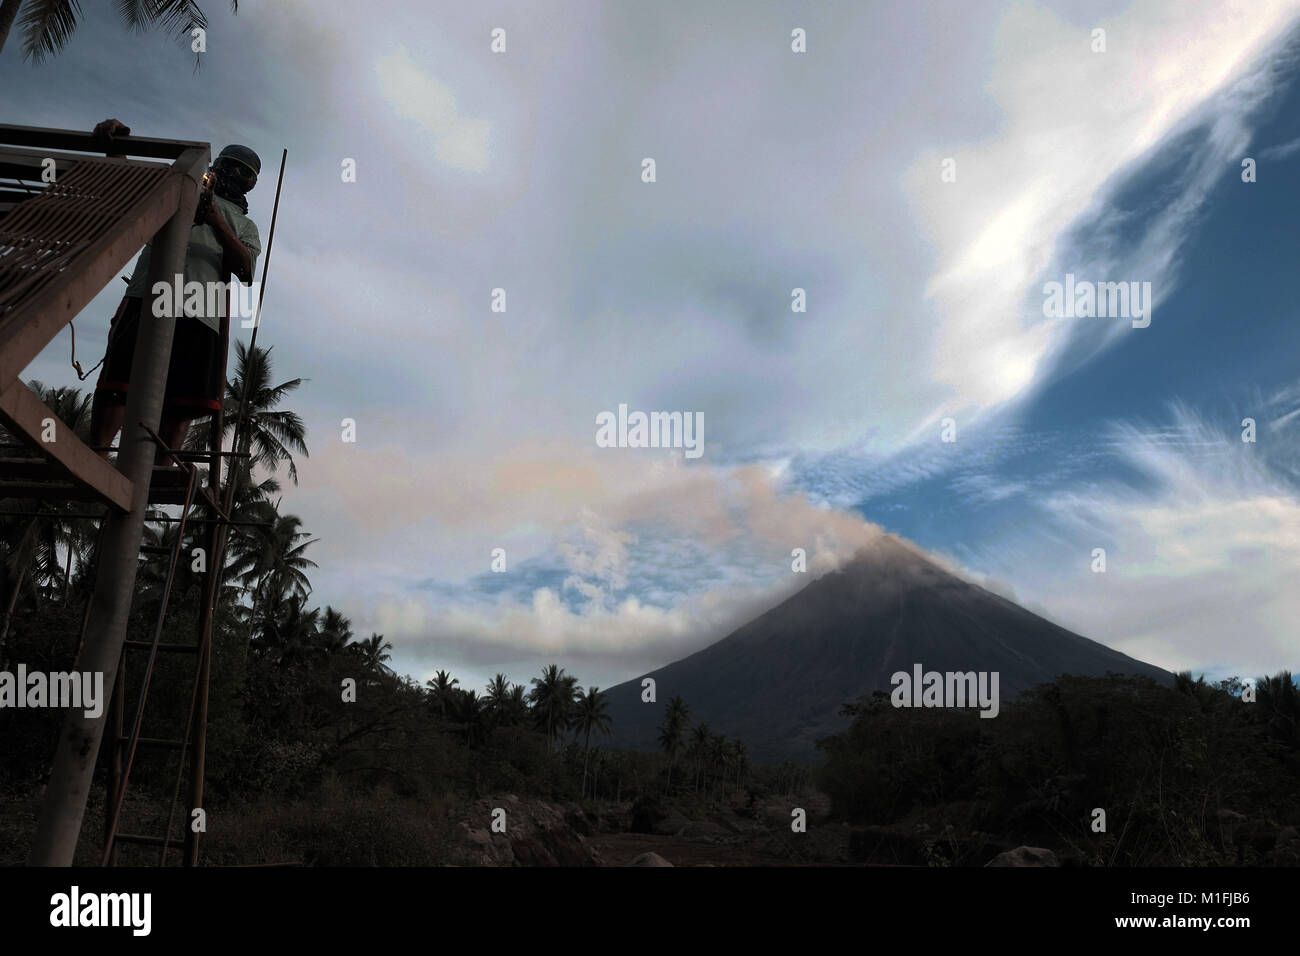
(649, 859)
(537, 834)
(577, 818)
(645, 814)
(1025, 856)
(672, 824)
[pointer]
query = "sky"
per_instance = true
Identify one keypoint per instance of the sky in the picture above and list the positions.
(922, 171)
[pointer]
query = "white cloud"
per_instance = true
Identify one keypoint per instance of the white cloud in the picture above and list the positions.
(1073, 119)
(1201, 561)
(1281, 151)
(460, 142)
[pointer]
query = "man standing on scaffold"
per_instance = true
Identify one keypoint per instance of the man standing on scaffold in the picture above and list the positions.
(223, 242)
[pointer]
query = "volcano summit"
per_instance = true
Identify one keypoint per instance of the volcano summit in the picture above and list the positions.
(778, 682)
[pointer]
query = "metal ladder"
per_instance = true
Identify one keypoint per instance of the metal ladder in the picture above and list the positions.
(38, 478)
(122, 745)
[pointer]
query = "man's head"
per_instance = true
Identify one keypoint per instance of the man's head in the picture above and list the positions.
(236, 168)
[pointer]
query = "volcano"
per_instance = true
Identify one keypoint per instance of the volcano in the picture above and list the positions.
(778, 682)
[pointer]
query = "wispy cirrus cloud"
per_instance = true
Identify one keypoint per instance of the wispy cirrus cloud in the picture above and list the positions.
(1200, 559)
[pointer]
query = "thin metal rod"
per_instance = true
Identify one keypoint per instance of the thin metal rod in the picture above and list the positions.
(241, 418)
(217, 557)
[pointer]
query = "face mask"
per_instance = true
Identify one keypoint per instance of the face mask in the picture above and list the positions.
(230, 187)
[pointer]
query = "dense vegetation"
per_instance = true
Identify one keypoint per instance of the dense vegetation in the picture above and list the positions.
(1187, 775)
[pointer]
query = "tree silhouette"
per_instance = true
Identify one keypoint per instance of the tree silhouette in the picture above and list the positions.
(676, 718)
(271, 436)
(591, 713)
(700, 739)
(552, 697)
(442, 689)
(49, 24)
(373, 652)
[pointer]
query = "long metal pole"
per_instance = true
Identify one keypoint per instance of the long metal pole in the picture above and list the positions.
(241, 417)
(74, 759)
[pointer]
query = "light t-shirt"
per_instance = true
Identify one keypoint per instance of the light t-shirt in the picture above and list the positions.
(203, 260)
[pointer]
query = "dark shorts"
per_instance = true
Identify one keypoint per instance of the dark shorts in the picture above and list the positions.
(195, 376)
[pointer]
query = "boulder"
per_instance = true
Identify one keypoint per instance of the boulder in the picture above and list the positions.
(537, 834)
(671, 824)
(649, 859)
(1025, 856)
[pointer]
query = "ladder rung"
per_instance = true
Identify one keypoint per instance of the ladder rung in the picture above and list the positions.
(144, 840)
(154, 742)
(173, 648)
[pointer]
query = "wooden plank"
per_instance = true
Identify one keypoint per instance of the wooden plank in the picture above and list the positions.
(31, 326)
(22, 412)
(41, 137)
(30, 163)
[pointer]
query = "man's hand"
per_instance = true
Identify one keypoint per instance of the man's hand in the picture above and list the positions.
(212, 217)
(107, 130)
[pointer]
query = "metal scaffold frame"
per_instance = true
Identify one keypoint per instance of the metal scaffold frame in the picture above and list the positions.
(59, 246)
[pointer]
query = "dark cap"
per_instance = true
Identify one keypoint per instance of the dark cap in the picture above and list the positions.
(242, 155)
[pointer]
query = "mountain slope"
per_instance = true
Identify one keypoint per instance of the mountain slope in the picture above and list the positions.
(779, 681)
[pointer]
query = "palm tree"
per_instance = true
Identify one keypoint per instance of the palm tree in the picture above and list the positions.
(151, 576)
(467, 710)
(73, 535)
(591, 713)
(700, 738)
(598, 761)
(497, 698)
(31, 546)
(271, 437)
(277, 569)
(335, 631)
(1279, 702)
(49, 24)
(442, 687)
(553, 696)
(741, 753)
(676, 717)
(617, 764)
(373, 651)
(291, 636)
(516, 710)
(255, 511)
(720, 760)
(30, 557)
